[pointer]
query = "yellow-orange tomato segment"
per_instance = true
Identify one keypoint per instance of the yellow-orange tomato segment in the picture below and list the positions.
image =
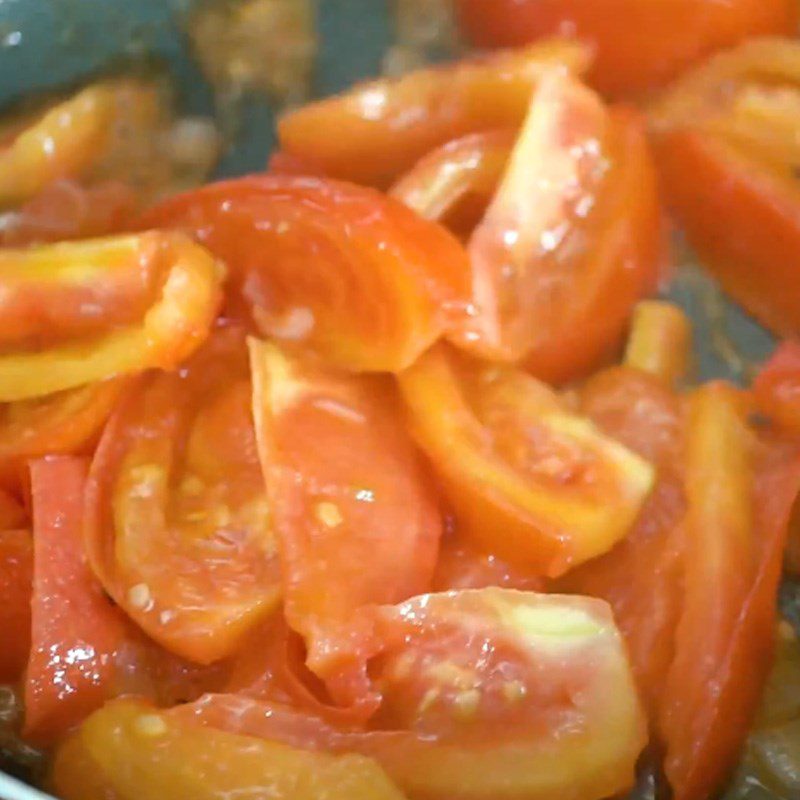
(571, 240)
(660, 341)
(61, 143)
(383, 127)
(356, 519)
(178, 528)
(142, 753)
(487, 695)
(380, 288)
(107, 277)
(528, 480)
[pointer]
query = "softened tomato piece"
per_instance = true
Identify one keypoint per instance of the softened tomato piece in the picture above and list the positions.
(177, 525)
(455, 182)
(641, 576)
(344, 269)
(16, 575)
(571, 239)
(729, 125)
(75, 313)
(133, 751)
(65, 210)
(356, 520)
(383, 127)
(491, 694)
(638, 46)
(777, 387)
(740, 496)
(528, 480)
(76, 631)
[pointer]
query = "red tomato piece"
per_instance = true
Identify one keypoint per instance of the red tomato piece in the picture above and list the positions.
(454, 183)
(487, 695)
(381, 283)
(637, 45)
(357, 524)
(571, 240)
(777, 387)
(641, 576)
(76, 631)
(16, 575)
(383, 127)
(740, 498)
(528, 480)
(177, 526)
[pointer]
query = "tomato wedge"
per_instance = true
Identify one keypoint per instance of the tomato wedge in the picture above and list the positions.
(75, 313)
(383, 127)
(638, 46)
(177, 525)
(730, 125)
(347, 490)
(131, 750)
(379, 290)
(740, 496)
(528, 480)
(16, 575)
(488, 695)
(641, 576)
(76, 632)
(571, 240)
(454, 183)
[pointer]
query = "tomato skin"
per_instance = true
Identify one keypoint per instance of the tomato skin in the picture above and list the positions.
(75, 629)
(346, 489)
(638, 46)
(521, 473)
(511, 743)
(383, 127)
(740, 497)
(145, 754)
(16, 575)
(585, 238)
(380, 289)
(777, 387)
(176, 489)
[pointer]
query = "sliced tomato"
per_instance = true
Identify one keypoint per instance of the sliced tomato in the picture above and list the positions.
(455, 182)
(16, 575)
(76, 632)
(489, 694)
(66, 210)
(356, 520)
(344, 269)
(777, 387)
(638, 45)
(528, 480)
(131, 749)
(177, 525)
(80, 312)
(740, 497)
(729, 124)
(383, 127)
(571, 240)
(64, 423)
(641, 577)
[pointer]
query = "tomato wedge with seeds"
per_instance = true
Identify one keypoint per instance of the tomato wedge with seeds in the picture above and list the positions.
(357, 523)
(528, 480)
(488, 695)
(383, 127)
(16, 575)
(571, 239)
(381, 285)
(178, 527)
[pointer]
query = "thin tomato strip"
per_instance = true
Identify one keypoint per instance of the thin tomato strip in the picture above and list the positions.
(381, 288)
(347, 490)
(383, 127)
(16, 576)
(178, 527)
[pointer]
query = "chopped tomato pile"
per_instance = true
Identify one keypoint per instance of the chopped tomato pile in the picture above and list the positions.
(384, 473)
